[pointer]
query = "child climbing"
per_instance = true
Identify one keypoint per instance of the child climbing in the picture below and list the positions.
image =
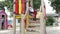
(31, 10)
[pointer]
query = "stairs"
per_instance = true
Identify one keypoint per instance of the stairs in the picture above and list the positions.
(33, 26)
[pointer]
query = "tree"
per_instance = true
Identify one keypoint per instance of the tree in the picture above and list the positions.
(9, 4)
(56, 5)
(50, 20)
(36, 4)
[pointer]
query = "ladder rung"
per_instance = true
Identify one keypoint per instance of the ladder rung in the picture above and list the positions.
(33, 30)
(34, 24)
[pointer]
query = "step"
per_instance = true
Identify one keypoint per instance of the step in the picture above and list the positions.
(31, 21)
(36, 18)
(32, 32)
(36, 28)
(32, 24)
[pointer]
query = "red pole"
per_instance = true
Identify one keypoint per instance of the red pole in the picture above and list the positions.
(23, 10)
(23, 6)
(16, 7)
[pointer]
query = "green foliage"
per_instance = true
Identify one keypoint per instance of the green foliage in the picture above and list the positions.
(51, 0)
(56, 5)
(36, 4)
(1, 7)
(9, 4)
(49, 20)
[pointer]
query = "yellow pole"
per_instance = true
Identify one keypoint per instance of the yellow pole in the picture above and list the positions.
(27, 22)
(27, 14)
(20, 6)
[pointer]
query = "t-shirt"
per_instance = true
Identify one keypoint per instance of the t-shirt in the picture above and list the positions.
(31, 9)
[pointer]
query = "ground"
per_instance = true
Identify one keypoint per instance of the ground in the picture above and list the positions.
(53, 30)
(49, 30)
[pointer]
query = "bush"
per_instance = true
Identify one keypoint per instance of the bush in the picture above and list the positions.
(49, 20)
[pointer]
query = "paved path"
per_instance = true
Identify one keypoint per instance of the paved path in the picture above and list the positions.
(53, 30)
(50, 30)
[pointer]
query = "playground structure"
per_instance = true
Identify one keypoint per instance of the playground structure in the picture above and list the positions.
(3, 20)
(21, 11)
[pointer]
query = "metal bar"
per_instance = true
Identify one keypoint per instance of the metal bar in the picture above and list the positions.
(31, 3)
(23, 17)
(42, 20)
(14, 19)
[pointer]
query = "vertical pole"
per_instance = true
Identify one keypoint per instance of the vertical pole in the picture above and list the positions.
(16, 7)
(20, 6)
(23, 6)
(14, 19)
(22, 24)
(14, 24)
(31, 3)
(42, 20)
(22, 19)
(27, 14)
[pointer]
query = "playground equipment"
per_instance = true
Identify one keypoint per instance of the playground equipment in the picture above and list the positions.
(3, 20)
(28, 25)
